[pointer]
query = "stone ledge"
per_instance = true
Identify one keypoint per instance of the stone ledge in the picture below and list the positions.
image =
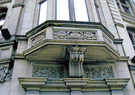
(18, 5)
(68, 84)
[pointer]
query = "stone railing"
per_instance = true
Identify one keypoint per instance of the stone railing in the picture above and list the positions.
(4, 1)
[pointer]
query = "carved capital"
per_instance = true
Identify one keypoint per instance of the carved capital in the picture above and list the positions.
(76, 54)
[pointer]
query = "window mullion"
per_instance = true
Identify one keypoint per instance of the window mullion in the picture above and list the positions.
(71, 10)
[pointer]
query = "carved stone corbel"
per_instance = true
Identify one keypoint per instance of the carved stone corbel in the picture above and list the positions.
(76, 61)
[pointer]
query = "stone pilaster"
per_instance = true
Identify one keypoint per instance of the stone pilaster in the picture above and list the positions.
(76, 93)
(117, 93)
(32, 93)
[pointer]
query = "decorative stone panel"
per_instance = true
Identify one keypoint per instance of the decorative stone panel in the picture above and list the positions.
(63, 34)
(38, 38)
(105, 38)
(97, 72)
(48, 71)
(5, 74)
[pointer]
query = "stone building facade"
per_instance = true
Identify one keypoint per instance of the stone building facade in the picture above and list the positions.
(67, 47)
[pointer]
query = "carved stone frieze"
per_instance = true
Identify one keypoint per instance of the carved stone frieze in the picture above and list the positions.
(49, 71)
(62, 34)
(5, 74)
(98, 72)
(38, 38)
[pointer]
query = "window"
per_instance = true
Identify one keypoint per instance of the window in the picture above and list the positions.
(123, 6)
(80, 10)
(43, 12)
(3, 12)
(67, 9)
(131, 33)
(74, 10)
(123, 2)
(62, 10)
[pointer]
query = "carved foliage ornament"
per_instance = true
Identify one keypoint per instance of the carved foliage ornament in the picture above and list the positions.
(98, 72)
(5, 74)
(49, 71)
(62, 34)
(38, 38)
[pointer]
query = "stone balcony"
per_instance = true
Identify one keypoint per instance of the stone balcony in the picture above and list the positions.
(55, 40)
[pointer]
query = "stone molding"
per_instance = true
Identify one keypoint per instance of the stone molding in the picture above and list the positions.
(127, 17)
(5, 60)
(18, 5)
(68, 84)
(118, 41)
(4, 1)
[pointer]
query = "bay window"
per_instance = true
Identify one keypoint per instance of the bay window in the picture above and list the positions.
(69, 10)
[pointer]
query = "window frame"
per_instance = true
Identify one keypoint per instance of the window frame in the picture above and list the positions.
(71, 10)
(41, 2)
(122, 6)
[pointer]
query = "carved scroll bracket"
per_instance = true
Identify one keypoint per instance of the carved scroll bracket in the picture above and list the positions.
(76, 61)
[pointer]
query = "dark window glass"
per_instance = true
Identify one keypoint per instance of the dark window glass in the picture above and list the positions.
(118, 6)
(126, 9)
(3, 12)
(123, 2)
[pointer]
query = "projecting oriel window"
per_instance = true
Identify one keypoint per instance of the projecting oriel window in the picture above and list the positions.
(62, 10)
(43, 12)
(80, 10)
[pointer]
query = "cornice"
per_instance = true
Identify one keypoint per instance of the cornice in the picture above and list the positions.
(68, 84)
(5, 60)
